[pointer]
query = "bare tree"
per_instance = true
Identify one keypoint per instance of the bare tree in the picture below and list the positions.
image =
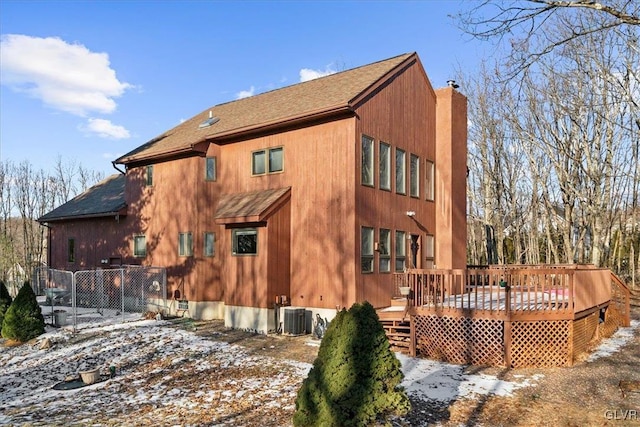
(525, 23)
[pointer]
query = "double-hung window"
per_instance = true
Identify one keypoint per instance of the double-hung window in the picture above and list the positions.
(366, 249)
(385, 166)
(367, 161)
(139, 246)
(270, 160)
(401, 167)
(185, 244)
(414, 171)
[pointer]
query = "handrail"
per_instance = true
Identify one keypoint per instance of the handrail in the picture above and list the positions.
(523, 291)
(624, 306)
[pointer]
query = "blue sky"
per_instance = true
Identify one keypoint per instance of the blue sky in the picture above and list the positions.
(91, 80)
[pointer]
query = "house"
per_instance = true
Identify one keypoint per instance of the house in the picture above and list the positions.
(311, 195)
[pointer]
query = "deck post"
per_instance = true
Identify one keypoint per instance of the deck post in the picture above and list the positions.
(507, 343)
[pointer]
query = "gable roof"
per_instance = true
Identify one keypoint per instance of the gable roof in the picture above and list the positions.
(103, 199)
(339, 92)
(255, 206)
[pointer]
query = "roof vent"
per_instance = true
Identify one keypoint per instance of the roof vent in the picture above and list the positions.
(210, 121)
(453, 84)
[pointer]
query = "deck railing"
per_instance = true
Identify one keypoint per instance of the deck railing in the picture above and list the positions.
(558, 291)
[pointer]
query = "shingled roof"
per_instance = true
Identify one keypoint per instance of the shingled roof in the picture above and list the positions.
(103, 199)
(315, 98)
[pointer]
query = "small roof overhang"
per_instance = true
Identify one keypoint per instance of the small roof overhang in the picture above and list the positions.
(252, 207)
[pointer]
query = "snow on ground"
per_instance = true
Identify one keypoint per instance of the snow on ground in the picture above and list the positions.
(615, 342)
(169, 376)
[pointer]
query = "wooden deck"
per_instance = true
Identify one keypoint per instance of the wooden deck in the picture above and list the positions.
(516, 316)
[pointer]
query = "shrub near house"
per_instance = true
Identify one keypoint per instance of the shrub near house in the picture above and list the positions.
(23, 319)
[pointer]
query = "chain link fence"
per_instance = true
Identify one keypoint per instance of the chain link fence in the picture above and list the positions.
(89, 294)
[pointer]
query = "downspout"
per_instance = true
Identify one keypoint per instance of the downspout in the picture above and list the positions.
(116, 168)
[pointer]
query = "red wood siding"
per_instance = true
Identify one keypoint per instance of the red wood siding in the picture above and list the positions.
(403, 115)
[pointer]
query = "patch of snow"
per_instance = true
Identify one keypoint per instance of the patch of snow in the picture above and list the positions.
(611, 345)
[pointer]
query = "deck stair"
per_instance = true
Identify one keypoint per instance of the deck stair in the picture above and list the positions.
(397, 325)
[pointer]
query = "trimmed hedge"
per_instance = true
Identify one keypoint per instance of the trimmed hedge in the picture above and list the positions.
(23, 320)
(355, 379)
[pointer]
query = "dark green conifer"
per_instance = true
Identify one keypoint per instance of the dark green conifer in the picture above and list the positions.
(23, 319)
(5, 301)
(355, 380)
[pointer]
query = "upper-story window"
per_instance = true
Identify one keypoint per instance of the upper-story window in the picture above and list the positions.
(210, 169)
(430, 180)
(269, 160)
(401, 167)
(414, 171)
(367, 161)
(149, 175)
(385, 166)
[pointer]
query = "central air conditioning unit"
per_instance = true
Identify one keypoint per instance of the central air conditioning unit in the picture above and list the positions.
(294, 319)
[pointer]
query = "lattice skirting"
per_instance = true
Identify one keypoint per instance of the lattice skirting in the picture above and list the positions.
(536, 343)
(460, 340)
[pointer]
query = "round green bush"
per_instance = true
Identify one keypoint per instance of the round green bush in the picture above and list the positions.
(23, 319)
(5, 301)
(355, 379)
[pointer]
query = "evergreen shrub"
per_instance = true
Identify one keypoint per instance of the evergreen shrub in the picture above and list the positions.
(355, 379)
(23, 319)
(5, 301)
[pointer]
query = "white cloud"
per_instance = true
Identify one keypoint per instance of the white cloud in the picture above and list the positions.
(245, 93)
(307, 74)
(105, 129)
(67, 77)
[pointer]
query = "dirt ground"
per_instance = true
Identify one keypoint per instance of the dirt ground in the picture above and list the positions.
(587, 394)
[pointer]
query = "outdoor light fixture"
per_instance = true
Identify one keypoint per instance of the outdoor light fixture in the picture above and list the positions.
(411, 214)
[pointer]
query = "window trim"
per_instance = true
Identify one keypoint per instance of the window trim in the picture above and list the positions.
(135, 253)
(206, 236)
(185, 249)
(214, 162)
(403, 191)
(267, 161)
(430, 181)
(366, 254)
(370, 161)
(234, 240)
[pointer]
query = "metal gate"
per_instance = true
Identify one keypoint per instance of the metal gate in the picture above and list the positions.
(87, 295)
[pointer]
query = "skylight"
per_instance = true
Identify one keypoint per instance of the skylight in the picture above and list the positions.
(209, 122)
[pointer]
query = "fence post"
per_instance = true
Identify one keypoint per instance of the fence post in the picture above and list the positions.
(74, 305)
(122, 293)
